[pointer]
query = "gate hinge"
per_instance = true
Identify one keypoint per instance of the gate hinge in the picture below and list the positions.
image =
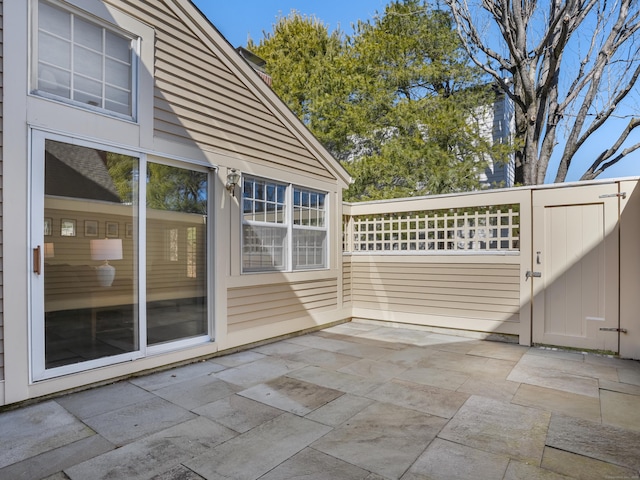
(614, 329)
(609, 195)
(531, 274)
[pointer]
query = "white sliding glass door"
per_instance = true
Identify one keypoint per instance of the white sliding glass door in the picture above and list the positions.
(119, 266)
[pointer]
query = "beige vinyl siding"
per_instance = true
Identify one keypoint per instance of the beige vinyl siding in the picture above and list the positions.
(475, 291)
(346, 280)
(255, 306)
(1, 229)
(198, 99)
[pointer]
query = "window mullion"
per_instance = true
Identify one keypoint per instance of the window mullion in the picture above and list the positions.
(72, 56)
(289, 208)
(141, 232)
(104, 68)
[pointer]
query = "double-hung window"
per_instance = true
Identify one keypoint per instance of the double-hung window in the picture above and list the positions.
(309, 229)
(84, 62)
(283, 227)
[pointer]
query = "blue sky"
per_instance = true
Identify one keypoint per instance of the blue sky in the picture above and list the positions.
(238, 21)
(250, 18)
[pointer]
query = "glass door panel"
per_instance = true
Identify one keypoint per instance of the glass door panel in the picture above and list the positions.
(176, 253)
(90, 254)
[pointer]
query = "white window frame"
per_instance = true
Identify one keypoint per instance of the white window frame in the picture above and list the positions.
(117, 23)
(288, 226)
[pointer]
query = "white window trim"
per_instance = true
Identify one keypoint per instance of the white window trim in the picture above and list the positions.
(288, 225)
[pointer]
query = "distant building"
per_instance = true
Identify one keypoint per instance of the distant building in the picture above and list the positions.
(499, 123)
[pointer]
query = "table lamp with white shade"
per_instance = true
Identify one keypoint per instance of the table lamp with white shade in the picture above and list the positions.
(106, 249)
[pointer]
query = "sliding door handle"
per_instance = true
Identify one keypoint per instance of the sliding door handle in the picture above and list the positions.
(37, 261)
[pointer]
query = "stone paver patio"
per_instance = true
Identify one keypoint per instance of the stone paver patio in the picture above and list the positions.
(356, 401)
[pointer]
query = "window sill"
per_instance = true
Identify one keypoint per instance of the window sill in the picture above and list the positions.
(261, 278)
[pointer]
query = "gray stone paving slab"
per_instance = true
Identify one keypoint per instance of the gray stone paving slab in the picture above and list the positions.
(490, 368)
(258, 451)
(174, 376)
(500, 351)
(602, 442)
(57, 476)
(196, 392)
(584, 468)
(583, 369)
(322, 358)
(36, 429)
(280, 348)
(629, 375)
(445, 460)
(292, 395)
(337, 380)
(448, 343)
(340, 410)
(311, 464)
(102, 400)
(373, 369)
(409, 357)
(383, 438)
(435, 377)
(56, 460)
(452, 361)
(361, 339)
(558, 401)
(259, 371)
(619, 387)
(520, 471)
(237, 359)
(556, 379)
(134, 421)
(178, 473)
(610, 361)
(500, 427)
(432, 400)
(341, 346)
(400, 335)
(155, 454)
(238, 413)
(490, 387)
(557, 354)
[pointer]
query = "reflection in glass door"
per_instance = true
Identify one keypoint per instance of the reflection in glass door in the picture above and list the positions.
(90, 254)
(176, 253)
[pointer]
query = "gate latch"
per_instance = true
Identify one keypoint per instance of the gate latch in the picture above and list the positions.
(531, 274)
(614, 329)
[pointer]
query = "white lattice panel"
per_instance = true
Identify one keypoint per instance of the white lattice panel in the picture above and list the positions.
(487, 229)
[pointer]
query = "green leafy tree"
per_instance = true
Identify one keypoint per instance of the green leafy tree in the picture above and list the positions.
(305, 61)
(397, 103)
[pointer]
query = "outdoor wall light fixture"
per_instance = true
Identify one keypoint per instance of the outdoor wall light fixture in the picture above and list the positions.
(233, 178)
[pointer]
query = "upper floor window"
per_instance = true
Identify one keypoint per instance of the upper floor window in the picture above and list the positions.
(83, 61)
(283, 227)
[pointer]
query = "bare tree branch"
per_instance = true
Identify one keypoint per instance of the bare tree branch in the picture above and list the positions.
(601, 163)
(549, 86)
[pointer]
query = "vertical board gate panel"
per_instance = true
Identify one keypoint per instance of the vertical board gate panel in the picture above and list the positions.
(576, 255)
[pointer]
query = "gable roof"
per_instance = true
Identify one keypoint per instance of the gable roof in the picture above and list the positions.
(201, 27)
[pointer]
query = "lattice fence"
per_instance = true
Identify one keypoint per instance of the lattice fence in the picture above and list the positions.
(490, 229)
